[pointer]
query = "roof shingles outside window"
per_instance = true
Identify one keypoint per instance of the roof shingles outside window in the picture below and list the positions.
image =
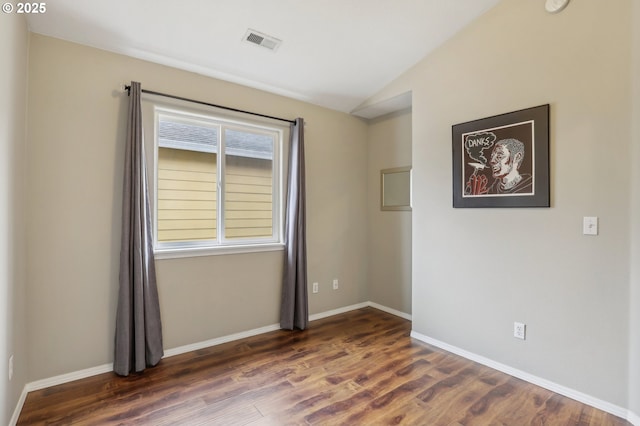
(192, 137)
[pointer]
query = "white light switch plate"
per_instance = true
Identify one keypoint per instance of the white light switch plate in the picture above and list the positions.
(590, 225)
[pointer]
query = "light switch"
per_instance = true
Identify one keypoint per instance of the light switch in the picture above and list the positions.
(590, 225)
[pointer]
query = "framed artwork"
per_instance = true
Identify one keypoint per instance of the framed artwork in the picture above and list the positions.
(502, 161)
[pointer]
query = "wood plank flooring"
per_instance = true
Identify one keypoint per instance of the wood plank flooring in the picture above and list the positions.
(358, 368)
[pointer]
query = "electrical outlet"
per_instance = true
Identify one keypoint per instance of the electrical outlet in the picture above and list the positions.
(315, 287)
(519, 330)
(335, 284)
(10, 367)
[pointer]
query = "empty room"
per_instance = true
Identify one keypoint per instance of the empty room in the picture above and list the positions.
(320, 212)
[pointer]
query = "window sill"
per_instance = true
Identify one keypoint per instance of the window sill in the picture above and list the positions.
(175, 253)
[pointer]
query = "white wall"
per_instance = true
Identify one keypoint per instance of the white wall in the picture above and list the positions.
(476, 271)
(76, 128)
(13, 87)
(389, 232)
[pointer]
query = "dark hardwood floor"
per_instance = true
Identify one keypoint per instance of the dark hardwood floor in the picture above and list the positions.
(358, 368)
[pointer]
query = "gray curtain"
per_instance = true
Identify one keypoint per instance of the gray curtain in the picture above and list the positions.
(294, 310)
(138, 342)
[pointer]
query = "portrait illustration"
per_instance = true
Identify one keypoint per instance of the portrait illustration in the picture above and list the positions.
(502, 161)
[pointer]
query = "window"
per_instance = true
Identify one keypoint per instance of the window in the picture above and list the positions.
(217, 184)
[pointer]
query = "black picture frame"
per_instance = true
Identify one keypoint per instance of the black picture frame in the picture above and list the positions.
(503, 160)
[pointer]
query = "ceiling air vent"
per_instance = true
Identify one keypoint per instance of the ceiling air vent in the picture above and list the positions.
(260, 39)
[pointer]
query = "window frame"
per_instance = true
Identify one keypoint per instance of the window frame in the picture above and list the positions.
(211, 117)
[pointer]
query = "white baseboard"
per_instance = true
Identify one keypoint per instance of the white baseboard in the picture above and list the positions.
(219, 340)
(256, 331)
(69, 377)
(338, 311)
(16, 412)
(54, 381)
(274, 327)
(390, 310)
(633, 418)
(105, 368)
(554, 387)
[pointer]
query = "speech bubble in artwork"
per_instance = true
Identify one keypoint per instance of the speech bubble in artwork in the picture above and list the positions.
(476, 143)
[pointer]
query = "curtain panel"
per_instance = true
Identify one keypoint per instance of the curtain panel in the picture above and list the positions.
(138, 340)
(294, 310)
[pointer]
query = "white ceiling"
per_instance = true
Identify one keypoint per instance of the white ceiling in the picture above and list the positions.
(335, 53)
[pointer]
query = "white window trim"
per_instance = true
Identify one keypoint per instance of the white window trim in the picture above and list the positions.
(177, 253)
(219, 246)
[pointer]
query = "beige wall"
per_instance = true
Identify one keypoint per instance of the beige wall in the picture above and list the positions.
(389, 253)
(574, 301)
(476, 271)
(76, 126)
(634, 329)
(13, 87)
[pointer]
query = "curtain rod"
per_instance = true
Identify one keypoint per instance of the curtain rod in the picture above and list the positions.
(180, 98)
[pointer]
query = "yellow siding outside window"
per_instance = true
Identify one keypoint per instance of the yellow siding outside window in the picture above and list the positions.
(187, 196)
(249, 198)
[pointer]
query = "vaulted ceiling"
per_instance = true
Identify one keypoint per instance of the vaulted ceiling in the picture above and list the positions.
(333, 53)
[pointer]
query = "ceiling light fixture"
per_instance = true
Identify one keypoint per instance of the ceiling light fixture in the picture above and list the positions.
(555, 6)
